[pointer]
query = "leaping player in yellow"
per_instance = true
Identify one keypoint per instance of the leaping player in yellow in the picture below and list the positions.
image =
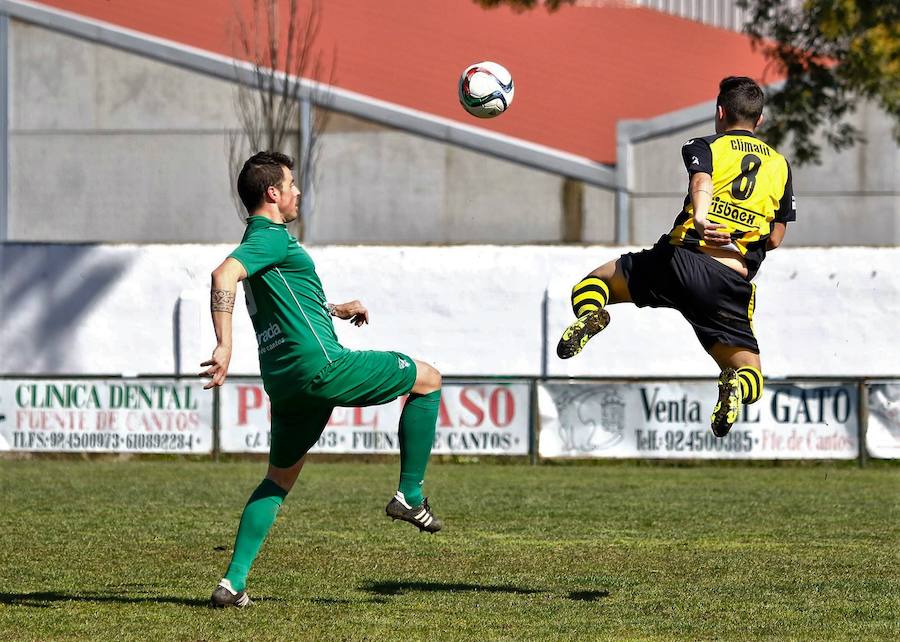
(739, 202)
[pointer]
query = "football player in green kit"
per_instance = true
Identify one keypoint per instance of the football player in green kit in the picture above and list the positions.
(305, 370)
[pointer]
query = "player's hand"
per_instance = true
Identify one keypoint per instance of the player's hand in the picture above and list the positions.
(352, 311)
(218, 367)
(712, 233)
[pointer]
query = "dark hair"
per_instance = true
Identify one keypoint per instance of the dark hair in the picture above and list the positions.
(260, 172)
(741, 98)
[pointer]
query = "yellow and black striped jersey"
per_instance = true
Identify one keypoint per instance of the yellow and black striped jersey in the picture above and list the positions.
(752, 190)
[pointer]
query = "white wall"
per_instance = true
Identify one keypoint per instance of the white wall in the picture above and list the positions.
(90, 309)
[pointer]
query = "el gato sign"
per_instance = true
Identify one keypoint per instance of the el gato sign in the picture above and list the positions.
(105, 415)
(476, 418)
(671, 420)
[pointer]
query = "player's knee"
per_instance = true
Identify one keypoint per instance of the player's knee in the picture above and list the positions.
(285, 477)
(428, 379)
(434, 379)
(751, 383)
(591, 293)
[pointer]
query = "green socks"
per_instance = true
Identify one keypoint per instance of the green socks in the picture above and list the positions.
(417, 425)
(258, 517)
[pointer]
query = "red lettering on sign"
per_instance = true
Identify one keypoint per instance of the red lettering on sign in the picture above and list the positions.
(353, 417)
(502, 399)
(444, 416)
(472, 406)
(249, 398)
(358, 420)
(51, 420)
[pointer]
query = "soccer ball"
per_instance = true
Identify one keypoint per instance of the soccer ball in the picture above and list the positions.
(486, 89)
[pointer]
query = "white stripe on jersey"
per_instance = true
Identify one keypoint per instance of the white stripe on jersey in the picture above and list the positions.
(293, 296)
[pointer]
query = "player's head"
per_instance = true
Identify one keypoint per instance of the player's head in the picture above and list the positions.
(739, 104)
(266, 183)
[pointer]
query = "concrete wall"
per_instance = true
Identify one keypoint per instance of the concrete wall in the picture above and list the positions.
(91, 309)
(130, 149)
(110, 146)
(852, 198)
(380, 185)
(126, 149)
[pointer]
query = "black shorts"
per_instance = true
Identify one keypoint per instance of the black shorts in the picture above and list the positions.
(717, 301)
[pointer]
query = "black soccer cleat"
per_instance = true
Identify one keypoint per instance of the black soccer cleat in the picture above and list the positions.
(579, 332)
(419, 516)
(729, 405)
(225, 595)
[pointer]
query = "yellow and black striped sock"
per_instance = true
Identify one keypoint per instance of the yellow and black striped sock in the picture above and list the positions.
(591, 293)
(751, 383)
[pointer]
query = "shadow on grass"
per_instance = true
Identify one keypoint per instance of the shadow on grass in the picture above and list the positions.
(588, 596)
(399, 588)
(43, 599)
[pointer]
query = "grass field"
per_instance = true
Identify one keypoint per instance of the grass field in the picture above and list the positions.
(131, 550)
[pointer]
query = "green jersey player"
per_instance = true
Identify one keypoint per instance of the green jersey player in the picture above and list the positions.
(305, 370)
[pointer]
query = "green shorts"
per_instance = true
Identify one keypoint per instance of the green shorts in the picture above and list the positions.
(358, 378)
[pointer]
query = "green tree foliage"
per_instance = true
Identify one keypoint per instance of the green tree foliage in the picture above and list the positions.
(831, 53)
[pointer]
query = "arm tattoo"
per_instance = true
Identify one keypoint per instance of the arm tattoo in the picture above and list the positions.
(221, 301)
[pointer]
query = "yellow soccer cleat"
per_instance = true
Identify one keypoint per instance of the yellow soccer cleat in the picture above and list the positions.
(579, 332)
(729, 406)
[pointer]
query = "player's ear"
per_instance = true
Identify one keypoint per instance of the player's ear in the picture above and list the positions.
(272, 194)
(759, 121)
(720, 112)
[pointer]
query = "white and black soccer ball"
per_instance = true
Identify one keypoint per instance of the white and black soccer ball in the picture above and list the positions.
(486, 89)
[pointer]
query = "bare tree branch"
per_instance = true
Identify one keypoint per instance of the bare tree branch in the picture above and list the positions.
(281, 49)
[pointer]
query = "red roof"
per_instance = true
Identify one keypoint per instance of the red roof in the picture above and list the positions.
(577, 71)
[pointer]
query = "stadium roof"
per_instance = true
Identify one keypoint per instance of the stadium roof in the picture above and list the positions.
(577, 71)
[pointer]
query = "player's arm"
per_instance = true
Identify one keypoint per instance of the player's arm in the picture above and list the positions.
(255, 253)
(698, 162)
(701, 197)
(776, 236)
(786, 212)
(354, 311)
(221, 306)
